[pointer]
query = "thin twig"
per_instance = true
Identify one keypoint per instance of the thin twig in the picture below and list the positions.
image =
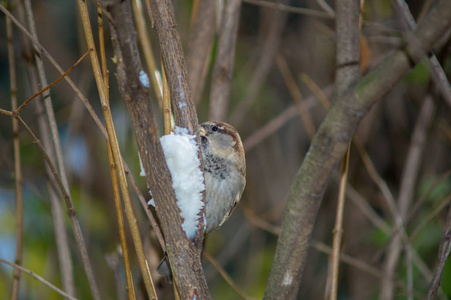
(444, 203)
(326, 7)
(276, 123)
(369, 212)
(120, 220)
(227, 278)
(265, 225)
(116, 151)
(338, 230)
(443, 254)
(315, 89)
(35, 276)
(388, 197)
(423, 198)
(438, 75)
(114, 180)
(53, 83)
(408, 180)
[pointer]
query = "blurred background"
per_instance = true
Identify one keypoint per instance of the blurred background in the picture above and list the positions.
(283, 60)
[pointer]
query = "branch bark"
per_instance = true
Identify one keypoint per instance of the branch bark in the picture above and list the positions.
(223, 68)
(328, 147)
(443, 254)
(199, 46)
(347, 74)
(183, 254)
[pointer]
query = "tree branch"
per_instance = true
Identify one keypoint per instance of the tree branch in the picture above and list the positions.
(223, 68)
(184, 254)
(199, 46)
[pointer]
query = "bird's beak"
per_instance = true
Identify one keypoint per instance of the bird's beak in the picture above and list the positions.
(202, 131)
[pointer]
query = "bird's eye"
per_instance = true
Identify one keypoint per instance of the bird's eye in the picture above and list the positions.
(214, 128)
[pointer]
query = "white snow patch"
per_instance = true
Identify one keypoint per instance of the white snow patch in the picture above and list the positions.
(287, 278)
(143, 174)
(151, 202)
(180, 151)
(144, 79)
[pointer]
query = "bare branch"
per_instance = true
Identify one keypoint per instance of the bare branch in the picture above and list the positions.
(184, 254)
(443, 254)
(35, 276)
(223, 68)
(199, 46)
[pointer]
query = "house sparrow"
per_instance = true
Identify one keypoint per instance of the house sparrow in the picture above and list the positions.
(224, 170)
(225, 176)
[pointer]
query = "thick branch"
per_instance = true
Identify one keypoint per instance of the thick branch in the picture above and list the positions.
(347, 74)
(328, 147)
(174, 62)
(184, 254)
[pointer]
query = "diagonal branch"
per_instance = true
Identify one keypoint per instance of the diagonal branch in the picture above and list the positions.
(328, 147)
(438, 75)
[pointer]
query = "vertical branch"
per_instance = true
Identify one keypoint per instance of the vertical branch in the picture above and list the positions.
(223, 68)
(183, 254)
(175, 66)
(347, 54)
(266, 58)
(347, 75)
(405, 197)
(17, 164)
(120, 220)
(199, 46)
(338, 229)
(144, 39)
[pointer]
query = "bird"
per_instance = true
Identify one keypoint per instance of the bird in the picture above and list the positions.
(225, 176)
(224, 170)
